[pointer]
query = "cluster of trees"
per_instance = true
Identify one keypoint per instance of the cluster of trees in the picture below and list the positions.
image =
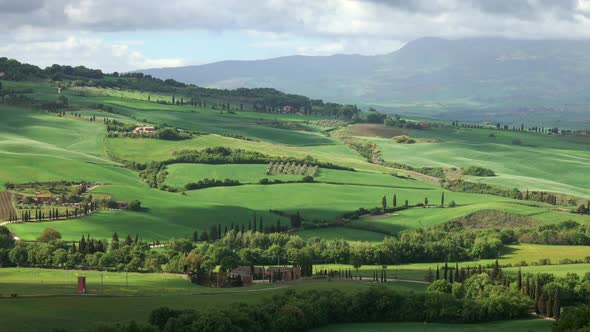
(573, 319)
(208, 183)
(584, 209)
(478, 171)
(397, 122)
(514, 193)
(482, 300)
(482, 188)
(15, 96)
(54, 213)
(564, 233)
(291, 169)
(87, 253)
(16, 71)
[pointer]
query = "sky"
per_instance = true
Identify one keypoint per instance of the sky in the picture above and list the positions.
(123, 35)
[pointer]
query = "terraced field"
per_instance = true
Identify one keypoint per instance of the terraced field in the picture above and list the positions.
(6, 208)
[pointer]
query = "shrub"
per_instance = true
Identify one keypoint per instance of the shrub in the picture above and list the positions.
(264, 181)
(48, 235)
(307, 178)
(478, 171)
(404, 139)
(135, 205)
(517, 141)
(452, 204)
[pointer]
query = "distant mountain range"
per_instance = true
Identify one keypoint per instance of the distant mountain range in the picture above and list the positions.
(494, 79)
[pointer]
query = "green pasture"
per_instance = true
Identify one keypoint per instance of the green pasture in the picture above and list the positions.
(428, 217)
(76, 313)
(197, 210)
(216, 122)
(145, 150)
(527, 325)
(44, 147)
(530, 254)
(541, 162)
(341, 233)
(182, 213)
(181, 174)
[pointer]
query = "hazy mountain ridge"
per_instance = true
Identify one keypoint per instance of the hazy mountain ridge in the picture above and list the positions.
(428, 76)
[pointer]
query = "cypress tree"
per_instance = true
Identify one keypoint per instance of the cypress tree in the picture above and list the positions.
(260, 229)
(549, 306)
(556, 305)
(437, 272)
(519, 280)
(445, 273)
(384, 202)
(394, 200)
(451, 276)
(442, 200)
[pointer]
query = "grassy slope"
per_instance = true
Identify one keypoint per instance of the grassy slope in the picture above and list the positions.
(208, 120)
(541, 163)
(513, 254)
(420, 217)
(143, 150)
(339, 233)
(76, 312)
(536, 325)
(182, 214)
(40, 147)
(181, 174)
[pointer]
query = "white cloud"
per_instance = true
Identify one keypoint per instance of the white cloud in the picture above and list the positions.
(289, 26)
(87, 51)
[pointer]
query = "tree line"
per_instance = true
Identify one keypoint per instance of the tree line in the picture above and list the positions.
(482, 300)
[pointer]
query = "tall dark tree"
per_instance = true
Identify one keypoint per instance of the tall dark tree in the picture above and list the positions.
(384, 202)
(519, 280)
(556, 305)
(394, 200)
(442, 200)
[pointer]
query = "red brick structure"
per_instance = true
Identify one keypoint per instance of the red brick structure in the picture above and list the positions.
(283, 273)
(82, 284)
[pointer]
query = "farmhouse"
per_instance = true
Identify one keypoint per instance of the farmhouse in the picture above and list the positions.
(288, 109)
(144, 130)
(42, 198)
(242, 272)
(283, 273)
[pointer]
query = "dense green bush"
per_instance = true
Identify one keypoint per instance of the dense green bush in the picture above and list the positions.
(478, 171)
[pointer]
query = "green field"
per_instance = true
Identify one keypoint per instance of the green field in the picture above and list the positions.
(531, 254)
(541, 162)
(182, 214)
(181, 174)
(76, 149)
(341, 233)
(75, 312)
(536, 325)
